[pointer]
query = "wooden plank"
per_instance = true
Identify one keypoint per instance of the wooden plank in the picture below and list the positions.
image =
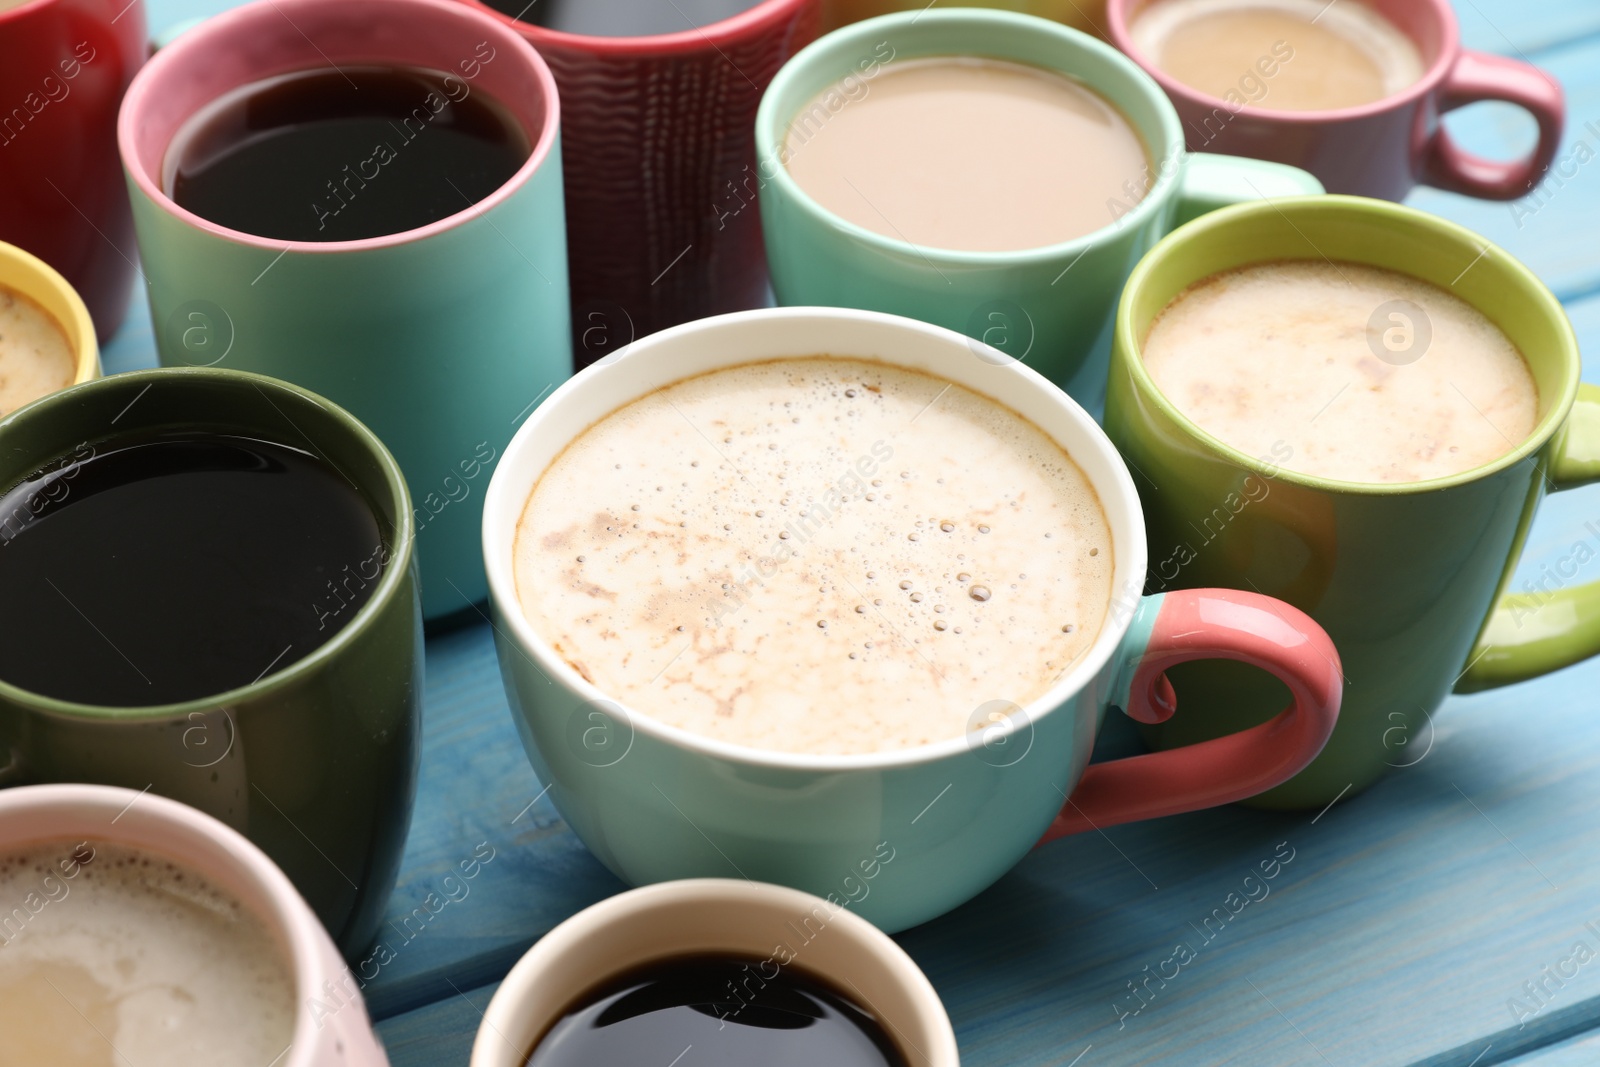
(440, 1033)
(1552, 229)
(1581, 1051)
(1518, 28)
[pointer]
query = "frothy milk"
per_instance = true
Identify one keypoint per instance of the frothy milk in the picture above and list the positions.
(815, 555)
(1329, 359)
(35, 357)
(974, 155)
(1284, 55)
(110, 956)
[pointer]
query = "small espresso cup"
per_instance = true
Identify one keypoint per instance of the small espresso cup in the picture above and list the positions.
(654, 802)
(328, 1032)
(64, 66)
(714, 916)
(1051, 306)
(439, 338)
(1411, 580)
(38, 281)
(1383, 149)
(316, 761)
(660, 157)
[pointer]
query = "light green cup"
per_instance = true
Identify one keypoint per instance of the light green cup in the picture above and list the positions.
(1050, 306)
(1412, 580)
(441, 338)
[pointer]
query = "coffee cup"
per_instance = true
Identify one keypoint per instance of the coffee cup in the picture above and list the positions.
(328, 1027)
(771, 926)
(440, 337)
(1050, 306)
(657, 802)
(68, 63)
(316, 760)
(1415, 617)
(1382, 148)
(662, 225)
(33, 278)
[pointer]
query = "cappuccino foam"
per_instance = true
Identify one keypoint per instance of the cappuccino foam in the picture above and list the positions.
(35, 357)
(815, 555)
(1334, 360)
(111, 956)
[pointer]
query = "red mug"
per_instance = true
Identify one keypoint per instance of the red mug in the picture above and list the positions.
(64, 65)
(1383, 149)
(658, 142)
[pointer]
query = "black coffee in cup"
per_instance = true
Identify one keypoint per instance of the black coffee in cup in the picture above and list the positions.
(344, 154)
(167, 566)
(731, 1011)
(622, 18)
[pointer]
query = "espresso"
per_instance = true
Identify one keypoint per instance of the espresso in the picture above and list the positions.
(110, 956)
(343, 155)
(1367, 375)
(1285, 55)
(966, 154)
(815, 555)
(35, 357)
(166, 567)
(622, 18)
(732, 1012)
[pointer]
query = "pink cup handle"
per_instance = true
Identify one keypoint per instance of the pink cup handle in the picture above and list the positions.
(1479, 76)
(1214, 624)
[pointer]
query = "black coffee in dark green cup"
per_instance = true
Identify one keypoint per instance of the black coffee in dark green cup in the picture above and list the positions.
(210, 595)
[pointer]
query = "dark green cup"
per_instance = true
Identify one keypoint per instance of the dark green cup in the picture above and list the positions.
(1410, 580)
(315, 762)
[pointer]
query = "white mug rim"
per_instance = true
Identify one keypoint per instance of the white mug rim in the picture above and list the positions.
(1121, 507)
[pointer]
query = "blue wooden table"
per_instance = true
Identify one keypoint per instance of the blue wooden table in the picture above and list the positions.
(1433, 920)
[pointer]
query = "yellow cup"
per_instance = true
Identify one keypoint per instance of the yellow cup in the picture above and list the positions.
(1086, 15)
(24, 273)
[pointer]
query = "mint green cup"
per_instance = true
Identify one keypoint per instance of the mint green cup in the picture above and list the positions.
(441, 338)
(1050, 306)
(1411, 580)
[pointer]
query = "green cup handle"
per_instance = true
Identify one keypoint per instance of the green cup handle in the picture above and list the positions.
(1211, 181)
(1529, 634)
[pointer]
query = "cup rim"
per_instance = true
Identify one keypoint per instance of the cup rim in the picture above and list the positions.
(286, 914)
(388, 588)
(1166, 163)
(1399, 217)
(653, 45)
(569, 936)
(1123, 513)
(193, 42)
(1449, 52)
(86, 354)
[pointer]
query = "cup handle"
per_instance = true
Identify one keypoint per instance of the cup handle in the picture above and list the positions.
(1172, 628)
(1534, 633)
(1212, 181)
(1479, 76)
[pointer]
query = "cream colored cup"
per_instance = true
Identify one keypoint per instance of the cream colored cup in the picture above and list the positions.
(715, 915)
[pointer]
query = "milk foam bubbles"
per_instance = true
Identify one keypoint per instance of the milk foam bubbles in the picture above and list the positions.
(815, 555)
(35, 357)
(110, 956)
(1365, 374)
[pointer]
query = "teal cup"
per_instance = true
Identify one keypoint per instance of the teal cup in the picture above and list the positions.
(442, 338)
(1050, 306)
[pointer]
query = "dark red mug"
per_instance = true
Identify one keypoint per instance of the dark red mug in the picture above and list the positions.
(64, 65)
(658, 143)
(1387, 148)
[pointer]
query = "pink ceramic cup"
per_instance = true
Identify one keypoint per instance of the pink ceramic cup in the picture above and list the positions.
(1385, 149)
(331, 1025)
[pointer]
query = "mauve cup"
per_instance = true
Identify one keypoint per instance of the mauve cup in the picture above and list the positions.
(659, 141)
(331, 1027)
(64, 65)
(441, 338)
(1384, 149)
